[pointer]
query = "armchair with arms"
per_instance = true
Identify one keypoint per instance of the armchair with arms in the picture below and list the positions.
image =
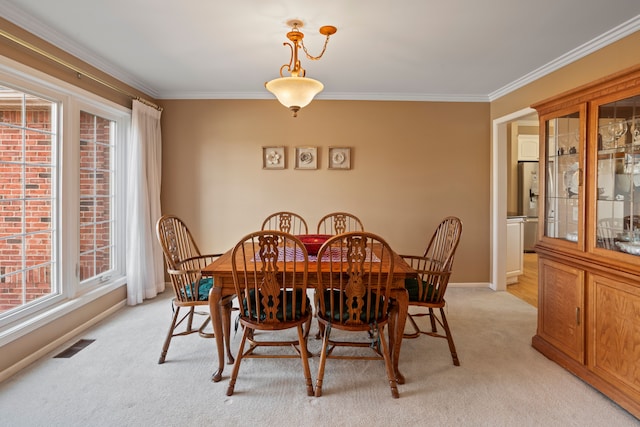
(184, 264)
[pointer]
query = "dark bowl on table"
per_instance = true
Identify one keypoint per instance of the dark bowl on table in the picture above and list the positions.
(313, 242)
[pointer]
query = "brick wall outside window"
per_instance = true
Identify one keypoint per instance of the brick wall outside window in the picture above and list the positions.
(27, 198)
(26, 173)
(95, 195)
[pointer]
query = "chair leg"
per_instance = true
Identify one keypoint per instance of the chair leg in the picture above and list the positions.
(320, 332)
(167, 341)
(452, 347)
(190, 321)
(302, 339)
(316, 305)
(388, 367)
(434, 328)
(236, 366)
(323, 358)
(307, 325)
(307, 328)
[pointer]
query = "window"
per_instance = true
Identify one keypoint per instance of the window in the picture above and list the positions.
(62, 198)
(27, 198)
(96, 196)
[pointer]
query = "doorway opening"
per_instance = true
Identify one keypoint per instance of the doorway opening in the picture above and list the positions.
(501, 192)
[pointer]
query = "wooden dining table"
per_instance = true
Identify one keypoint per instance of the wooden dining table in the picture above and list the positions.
(223, 286)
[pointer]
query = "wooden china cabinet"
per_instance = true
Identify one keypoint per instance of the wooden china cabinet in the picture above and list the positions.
(589, 238)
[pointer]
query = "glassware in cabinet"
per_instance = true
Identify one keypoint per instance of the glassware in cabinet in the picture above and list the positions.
(563, 177)
(618, 176)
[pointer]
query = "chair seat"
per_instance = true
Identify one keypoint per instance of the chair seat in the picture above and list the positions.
(205, 285)
(337, 295)
(279, 314)
(413, 286)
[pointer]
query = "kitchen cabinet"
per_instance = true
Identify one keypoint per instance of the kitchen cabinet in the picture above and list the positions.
(589, 235)
(528, 150)
(515, 249)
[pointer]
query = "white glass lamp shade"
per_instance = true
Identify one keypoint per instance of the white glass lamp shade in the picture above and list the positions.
(294, 91)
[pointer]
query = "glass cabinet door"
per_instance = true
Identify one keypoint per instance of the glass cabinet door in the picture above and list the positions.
(618, 176)
(563, 177)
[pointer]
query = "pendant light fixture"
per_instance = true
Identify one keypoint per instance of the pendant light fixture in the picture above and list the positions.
(297, 91)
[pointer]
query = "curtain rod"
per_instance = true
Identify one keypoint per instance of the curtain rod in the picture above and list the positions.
(79, 71)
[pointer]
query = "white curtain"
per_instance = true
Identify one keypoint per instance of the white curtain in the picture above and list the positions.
(145, 268)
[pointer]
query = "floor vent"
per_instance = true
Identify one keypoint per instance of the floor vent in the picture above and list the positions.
(73, 349)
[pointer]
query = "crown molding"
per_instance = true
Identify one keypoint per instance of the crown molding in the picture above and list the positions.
(27, 22)
(335, 96)
(611, 36)
(18, 17)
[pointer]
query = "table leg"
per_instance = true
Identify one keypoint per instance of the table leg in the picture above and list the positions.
(226, 327)
(396, 328)
(216, 320)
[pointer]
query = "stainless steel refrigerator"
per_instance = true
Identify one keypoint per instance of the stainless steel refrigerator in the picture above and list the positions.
(528, 201)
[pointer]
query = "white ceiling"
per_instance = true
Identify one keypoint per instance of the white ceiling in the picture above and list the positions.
(466, 50)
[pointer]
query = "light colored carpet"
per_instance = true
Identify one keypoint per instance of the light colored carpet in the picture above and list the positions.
(502, 381)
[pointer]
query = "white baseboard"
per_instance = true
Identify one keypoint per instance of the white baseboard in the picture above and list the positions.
(470, 285)
(13, 369)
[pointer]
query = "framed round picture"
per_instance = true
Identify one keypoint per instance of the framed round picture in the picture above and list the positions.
(306, 158)
(339, 158)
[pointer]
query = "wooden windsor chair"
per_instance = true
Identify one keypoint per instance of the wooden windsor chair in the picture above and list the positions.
(288, 222)
(338, 223)
(355, 299)
(427, 290)
(184, 264)
(270, 270)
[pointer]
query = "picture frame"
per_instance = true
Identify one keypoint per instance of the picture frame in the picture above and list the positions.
(273, 158)
(340, 158)
(306, 158)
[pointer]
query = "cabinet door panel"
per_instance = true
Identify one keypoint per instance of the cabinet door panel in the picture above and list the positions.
(616, 180)
(528, 149)
(514, 250)
(614, 332)
(560, 311)
(562, 204)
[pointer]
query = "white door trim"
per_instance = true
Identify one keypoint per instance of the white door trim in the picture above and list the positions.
(498, 280)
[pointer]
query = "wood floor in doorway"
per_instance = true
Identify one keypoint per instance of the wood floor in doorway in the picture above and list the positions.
(527, 286)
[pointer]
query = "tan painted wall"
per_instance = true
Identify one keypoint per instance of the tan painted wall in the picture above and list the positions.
(432, 158)
(413, 164)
